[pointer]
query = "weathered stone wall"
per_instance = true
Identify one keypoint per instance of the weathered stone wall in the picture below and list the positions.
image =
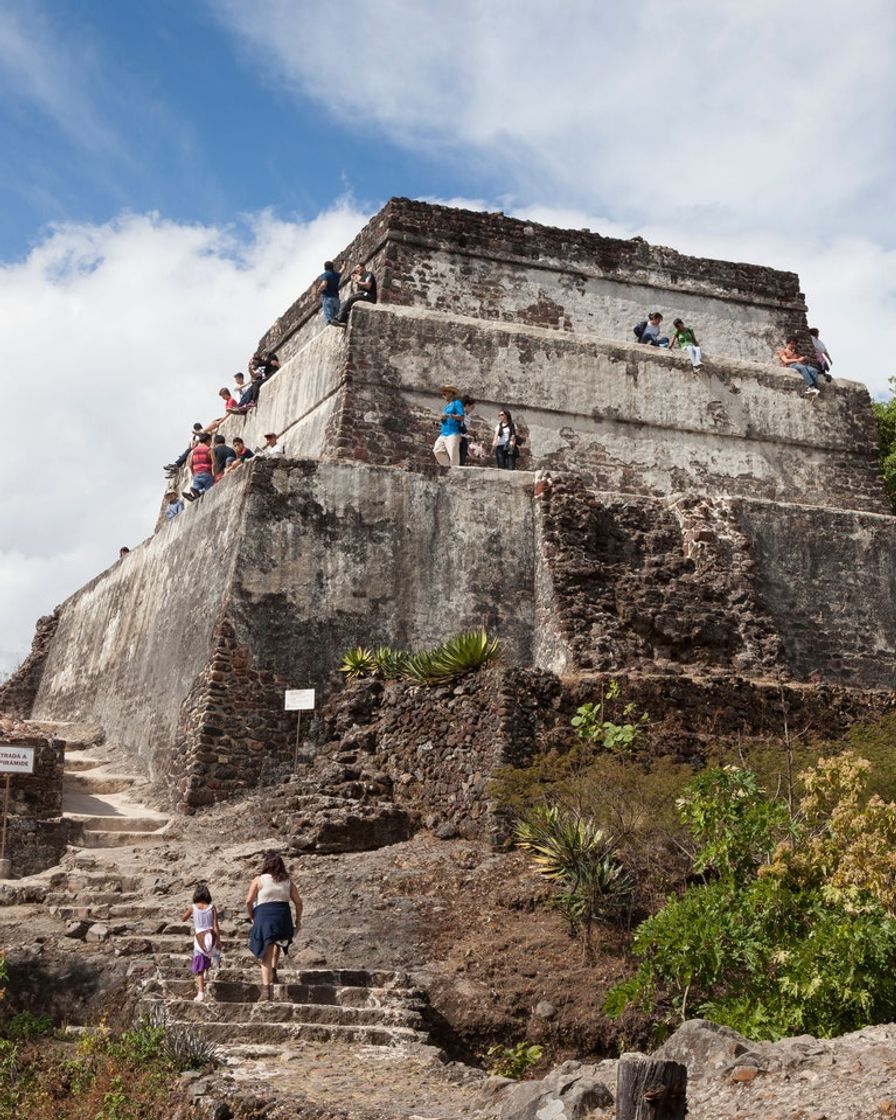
(488, 266)
(232, 734)
(182, 652)
(636, 419)
(130, 644)
(18, 692)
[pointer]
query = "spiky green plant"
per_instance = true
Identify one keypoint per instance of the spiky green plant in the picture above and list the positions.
(419, 667)
(464, 653)
(389, 663)
(573, 853)
(357, 662)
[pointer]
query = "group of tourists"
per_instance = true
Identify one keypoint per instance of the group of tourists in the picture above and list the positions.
(208, 456)
(683, 337)
(267, 908)
(453, 447)
(809, 368)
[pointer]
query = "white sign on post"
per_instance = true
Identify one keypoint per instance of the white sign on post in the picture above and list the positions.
(299, 700)
(16, 760)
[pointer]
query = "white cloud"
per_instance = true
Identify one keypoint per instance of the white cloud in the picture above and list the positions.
(114, 339)
(769, 115)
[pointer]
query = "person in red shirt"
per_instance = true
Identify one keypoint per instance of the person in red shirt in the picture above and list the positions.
(200, 464)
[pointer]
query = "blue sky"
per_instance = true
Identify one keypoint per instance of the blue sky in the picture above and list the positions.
(175, 173)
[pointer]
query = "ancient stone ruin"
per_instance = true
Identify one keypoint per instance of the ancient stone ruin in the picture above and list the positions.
(711, 533)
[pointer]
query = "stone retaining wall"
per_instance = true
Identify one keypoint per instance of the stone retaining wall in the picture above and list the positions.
(37, 835)
(17, 694)
(434, 751)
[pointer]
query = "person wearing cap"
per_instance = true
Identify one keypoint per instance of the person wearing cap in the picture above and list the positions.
(447, 447)
(174, 506)
(272, 447)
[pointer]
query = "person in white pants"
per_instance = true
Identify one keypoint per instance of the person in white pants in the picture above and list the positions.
(447, 447)
(685, 339)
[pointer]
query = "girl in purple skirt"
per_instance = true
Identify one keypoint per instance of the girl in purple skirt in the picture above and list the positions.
(206, 935)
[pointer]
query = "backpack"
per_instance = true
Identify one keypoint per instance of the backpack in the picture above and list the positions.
(639, 329)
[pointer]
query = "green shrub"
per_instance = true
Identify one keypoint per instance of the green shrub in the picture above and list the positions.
(592, 726)
(513, 1061)
(793, 929)
(26, 1025)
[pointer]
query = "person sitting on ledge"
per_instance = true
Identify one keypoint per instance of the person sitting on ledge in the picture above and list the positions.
(272, 446)
(174, 506)
(241, 455)
(171, 469)
(822, 355)
(224, 456)
(264, 364)
(684, 338)
(648, 332)
(790, 356)
(364, 291)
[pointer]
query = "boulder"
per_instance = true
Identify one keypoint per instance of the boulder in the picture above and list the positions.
(570, 1092)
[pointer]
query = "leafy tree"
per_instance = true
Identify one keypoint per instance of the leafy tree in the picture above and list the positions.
(885, 415)
(792, 929)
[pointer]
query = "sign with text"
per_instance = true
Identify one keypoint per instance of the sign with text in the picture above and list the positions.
(16, 760)
(299, 700)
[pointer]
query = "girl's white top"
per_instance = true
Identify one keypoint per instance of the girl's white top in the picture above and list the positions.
(272, 891)
(203, 919)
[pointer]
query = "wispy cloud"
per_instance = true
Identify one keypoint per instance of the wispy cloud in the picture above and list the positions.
(39, 70)
(773, 114)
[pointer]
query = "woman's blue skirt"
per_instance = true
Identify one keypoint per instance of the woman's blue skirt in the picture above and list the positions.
(271, 925)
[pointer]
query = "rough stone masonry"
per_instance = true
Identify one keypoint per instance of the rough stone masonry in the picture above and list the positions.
(681, 526)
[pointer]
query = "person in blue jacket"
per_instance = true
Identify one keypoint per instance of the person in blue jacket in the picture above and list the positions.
(447, 447)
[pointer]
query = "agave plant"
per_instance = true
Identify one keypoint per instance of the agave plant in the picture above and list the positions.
(418, 667)
(463, 654)
(357, 662)
(579, 857)
(389, 663)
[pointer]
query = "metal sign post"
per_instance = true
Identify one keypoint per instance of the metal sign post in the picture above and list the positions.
(298, 700)
(13, 760)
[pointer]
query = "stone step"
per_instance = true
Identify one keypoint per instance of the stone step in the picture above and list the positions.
(261, 1033)
(171, 967)
(118, 824)
(226, 989)
(76, 764)
(283, 1011)
(88, 782)
(95, 838)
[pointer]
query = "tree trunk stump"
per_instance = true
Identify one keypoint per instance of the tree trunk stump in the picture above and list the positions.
(650, 1090)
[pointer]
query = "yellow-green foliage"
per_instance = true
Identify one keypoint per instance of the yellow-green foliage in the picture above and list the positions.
(847, 840)
(790, 926)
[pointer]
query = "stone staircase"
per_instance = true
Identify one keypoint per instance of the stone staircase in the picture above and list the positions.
(98, 804)
(352, 1006)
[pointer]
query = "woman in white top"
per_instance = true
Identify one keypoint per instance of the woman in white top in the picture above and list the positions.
(267, 905)
(504, 443)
